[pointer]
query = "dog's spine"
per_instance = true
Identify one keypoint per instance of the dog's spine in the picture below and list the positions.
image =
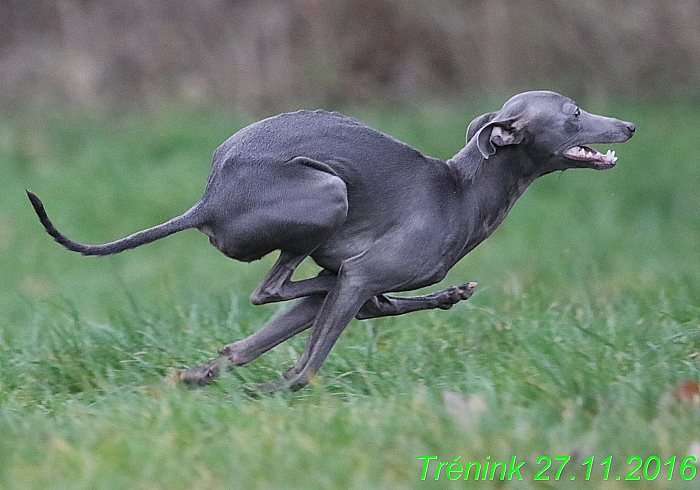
(189, 219)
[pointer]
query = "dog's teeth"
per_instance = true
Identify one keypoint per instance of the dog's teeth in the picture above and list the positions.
(585, 153)
(610, 156)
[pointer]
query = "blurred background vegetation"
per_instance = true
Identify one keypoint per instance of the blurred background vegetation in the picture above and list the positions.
(268, 55)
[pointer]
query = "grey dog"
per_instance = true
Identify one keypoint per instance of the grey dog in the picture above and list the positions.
(374, 213)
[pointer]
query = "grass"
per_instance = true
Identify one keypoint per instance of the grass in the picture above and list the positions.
(585, 320)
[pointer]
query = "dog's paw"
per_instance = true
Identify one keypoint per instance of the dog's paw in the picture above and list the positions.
(292, 381)
(200, 375)
(256, 390)
(454, 294)
(467, 290)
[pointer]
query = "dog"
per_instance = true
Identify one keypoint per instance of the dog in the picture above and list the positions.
(374, 213)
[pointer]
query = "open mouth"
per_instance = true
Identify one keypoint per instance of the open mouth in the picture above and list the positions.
(597, 159)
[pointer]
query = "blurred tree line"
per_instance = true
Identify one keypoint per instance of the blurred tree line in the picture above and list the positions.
(271, 54)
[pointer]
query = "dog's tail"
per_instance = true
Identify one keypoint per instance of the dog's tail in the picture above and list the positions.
(190, 219)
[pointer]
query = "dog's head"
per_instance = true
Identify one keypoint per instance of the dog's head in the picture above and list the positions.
(551, 129)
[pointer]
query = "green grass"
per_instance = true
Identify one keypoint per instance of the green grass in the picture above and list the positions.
(585, 320)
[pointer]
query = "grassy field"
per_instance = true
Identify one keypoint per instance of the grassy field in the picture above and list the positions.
(585, 321)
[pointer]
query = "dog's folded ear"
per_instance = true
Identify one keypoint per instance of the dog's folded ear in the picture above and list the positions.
(497, 133)
(478, 123)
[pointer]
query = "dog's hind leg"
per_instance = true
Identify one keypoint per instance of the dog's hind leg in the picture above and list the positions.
(285, 326)
(278, 285)
(291, 322)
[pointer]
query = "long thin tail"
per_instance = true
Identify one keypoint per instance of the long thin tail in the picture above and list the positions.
(190, 219)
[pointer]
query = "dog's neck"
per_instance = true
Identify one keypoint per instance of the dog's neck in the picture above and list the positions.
(489, 188)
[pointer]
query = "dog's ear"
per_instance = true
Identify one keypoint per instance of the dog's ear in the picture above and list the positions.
(497, 133)
(478, 123)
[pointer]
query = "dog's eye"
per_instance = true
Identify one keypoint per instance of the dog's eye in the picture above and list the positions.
(577, 113)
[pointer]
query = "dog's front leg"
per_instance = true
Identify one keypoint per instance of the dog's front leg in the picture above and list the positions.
(387, 305)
